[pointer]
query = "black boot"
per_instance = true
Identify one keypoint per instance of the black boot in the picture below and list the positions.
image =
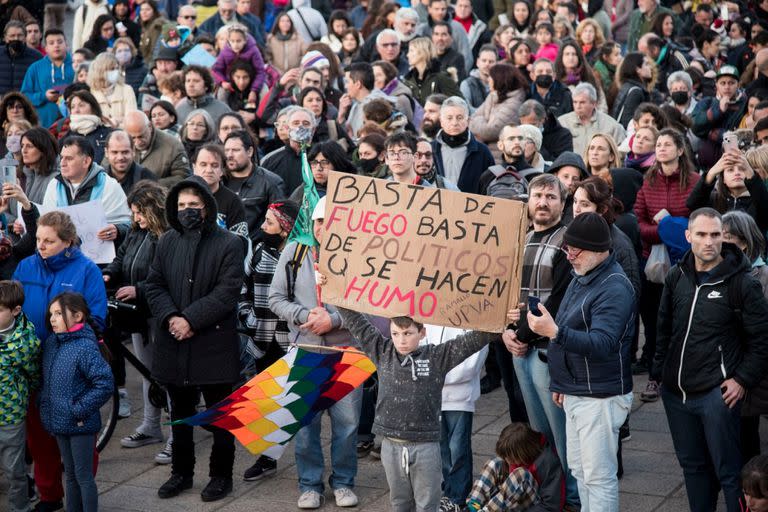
(174, 486)
(217, 489)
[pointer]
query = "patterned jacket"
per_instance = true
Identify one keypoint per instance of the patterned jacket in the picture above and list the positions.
(19, 371)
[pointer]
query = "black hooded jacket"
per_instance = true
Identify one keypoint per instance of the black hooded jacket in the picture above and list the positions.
(700, 343)
(196, 274)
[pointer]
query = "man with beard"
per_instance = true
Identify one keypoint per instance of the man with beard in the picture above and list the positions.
(256, 186)
(15, 57)
(424, 164)
(512, 146)
(449, 58)
(476, 87)
(121, 165)
(458, 155)
(546, 275)
(267, 334)
(209, 166)
(569, 168)
(430, 123)
(406, 20)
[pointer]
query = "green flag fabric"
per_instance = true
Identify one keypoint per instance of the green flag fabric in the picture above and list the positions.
(302, 230)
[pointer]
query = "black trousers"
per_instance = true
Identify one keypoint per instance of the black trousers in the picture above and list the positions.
(183, 405)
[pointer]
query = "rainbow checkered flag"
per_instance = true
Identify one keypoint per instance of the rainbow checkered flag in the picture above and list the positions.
(266, 412)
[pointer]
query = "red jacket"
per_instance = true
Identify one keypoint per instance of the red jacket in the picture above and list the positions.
(665, 193)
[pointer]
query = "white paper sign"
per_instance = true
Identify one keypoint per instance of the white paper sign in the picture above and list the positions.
(88, 218)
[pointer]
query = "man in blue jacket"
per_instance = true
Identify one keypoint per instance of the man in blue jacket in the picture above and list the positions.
(589, 360)
(15, 57)
(46, 79)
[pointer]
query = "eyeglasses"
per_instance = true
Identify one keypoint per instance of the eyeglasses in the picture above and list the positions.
(400, 155)
(189, 17)
(325, 165)
(427, 155)
(196, 125)
(573, 252)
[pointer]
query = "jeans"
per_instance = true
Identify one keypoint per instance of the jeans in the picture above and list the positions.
(705, 433)
(592, 428)
(12, 464)
(150, 424)
(183, 405)
(456, 453)
(345, 415)
(414, 485)
(77, 455)
(543, 415)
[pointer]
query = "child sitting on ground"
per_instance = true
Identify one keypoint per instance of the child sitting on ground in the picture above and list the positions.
(525, 475)
(19, 374)
(408, 406)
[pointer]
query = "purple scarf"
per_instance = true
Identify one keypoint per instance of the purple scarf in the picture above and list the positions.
(640, 162)
(390, 87)
(573, 77)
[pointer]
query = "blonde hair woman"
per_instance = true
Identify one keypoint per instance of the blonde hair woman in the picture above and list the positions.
(108, 86)
(424, 77)
(590, 37)
(602, 155)
(758, 159)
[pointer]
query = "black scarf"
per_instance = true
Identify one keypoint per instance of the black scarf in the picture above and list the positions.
(454, 141)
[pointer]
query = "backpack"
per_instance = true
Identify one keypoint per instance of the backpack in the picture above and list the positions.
(292, 267)
(507, 184)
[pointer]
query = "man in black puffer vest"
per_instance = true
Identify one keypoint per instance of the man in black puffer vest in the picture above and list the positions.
(15, 57)
(712, 345)
(192, 290)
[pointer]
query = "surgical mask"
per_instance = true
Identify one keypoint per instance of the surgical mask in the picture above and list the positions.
(544, 81)
(679, 97)
(16, 47)
(13, 143)
(301, 135)
(123, 56)
(190, 218)
(113, 76)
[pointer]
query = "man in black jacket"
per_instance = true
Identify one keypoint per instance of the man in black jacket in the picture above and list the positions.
(192, 291)
(15, 57)
(555, 137)
(256, 186)
(712, 346)
(120, 163)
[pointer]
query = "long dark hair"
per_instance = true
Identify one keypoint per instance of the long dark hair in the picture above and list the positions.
(307, 90)
(506, 79)
(275, 28)
(586, 73)
(71, 302)
(629, 67)
(98, 24)
(685, 164)
(600, 192)
(46, 144)
(331, 150)
(149, 198)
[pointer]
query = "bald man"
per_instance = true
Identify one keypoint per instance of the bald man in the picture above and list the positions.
(159, 152)
(761, 73)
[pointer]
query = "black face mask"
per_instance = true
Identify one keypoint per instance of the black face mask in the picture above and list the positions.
(679, 97)
(16, 47)
(544, 81)
(190, 218)
(368, 165)
(271, 240)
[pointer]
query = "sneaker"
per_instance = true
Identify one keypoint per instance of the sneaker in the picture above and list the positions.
(447, 505)
(651, 393)
(364, 448)
(124, 410)
(310, 499)
(345, 497)
(640, 367)
(166, 455)
(138, 439)
(49, 506)
(376, 452)
(624, 433)
(264, 466)
(174, 486)
(217, 489)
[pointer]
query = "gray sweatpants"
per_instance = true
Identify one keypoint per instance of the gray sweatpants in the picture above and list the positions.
(413, 473)
(12, 443)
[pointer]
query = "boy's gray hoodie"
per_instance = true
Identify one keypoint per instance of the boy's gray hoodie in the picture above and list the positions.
(296, 311)
(410, 386)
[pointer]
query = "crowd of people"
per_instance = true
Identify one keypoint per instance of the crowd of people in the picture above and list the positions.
(635, 132)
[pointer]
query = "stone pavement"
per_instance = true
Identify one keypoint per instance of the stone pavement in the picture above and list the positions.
(128, 479)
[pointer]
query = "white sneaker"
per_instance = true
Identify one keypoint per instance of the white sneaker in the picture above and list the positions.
(166, 455)
(345, 497)
(310, 499)
(124, 410)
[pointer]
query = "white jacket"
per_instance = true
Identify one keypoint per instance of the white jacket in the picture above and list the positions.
(84, 24)
(462, 384)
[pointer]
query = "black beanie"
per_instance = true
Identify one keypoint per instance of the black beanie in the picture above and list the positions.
(589, 232)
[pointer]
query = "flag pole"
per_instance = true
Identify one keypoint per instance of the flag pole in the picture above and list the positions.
(333, 349)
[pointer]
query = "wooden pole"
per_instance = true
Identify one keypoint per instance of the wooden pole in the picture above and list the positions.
(332, 349)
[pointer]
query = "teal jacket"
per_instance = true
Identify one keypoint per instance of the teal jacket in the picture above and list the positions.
(42, 76)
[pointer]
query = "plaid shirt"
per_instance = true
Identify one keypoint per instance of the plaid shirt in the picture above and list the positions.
(498, 489)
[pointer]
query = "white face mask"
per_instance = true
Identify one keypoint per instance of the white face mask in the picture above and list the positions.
(123, 56)
(113, 76)
(167, 98)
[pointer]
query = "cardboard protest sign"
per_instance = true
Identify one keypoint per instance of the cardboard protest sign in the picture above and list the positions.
(441, 257)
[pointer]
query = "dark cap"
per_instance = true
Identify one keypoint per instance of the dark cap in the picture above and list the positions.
(589, 232)
(165, 53)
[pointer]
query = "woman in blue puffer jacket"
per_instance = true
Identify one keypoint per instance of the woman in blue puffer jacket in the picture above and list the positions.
(76, 382)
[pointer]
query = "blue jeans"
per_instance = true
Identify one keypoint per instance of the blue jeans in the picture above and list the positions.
(77, 455)
(456, 454)
(543, 415)
(345, 415)
(592, 426)
(706, 435)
